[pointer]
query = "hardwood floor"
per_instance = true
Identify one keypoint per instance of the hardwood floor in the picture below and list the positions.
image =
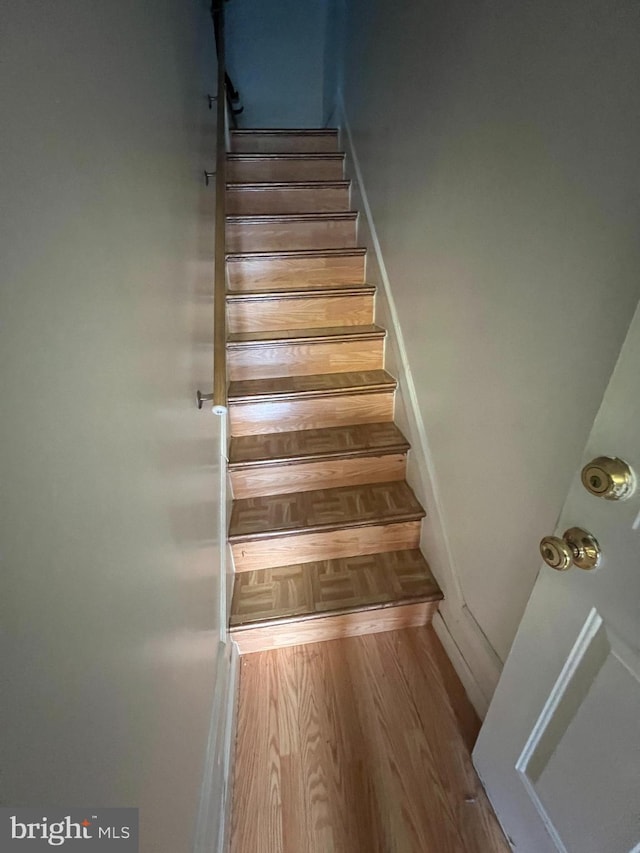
(358, 745)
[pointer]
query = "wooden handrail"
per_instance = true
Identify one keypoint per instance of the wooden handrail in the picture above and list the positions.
(219, 403)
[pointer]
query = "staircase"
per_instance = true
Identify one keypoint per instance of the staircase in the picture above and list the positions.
(324, 529)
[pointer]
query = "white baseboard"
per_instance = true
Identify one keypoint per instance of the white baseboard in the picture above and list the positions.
(466, 676)
(477, 664)
(229, 748)
(472, 686)
(212, 823)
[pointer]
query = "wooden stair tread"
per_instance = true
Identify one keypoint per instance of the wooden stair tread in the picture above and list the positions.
(289, 218)
(336, 290)
(294, 156)
(323, 510)
(293, 336)
(331, 587)
(315, 444)
(284, 131)
(314, 385)
(287, 185)
(295, 254)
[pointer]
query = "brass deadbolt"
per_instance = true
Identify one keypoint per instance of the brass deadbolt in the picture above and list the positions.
(577, 546)
(608, 477)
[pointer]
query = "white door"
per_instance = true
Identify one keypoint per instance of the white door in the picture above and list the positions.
(559, 751)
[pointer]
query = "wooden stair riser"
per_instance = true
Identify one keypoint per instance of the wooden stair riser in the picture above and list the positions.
(270, 142)
(263, 361)
(283, 550)
(247, 199)
(281, 478)
(300, 312)
(248, 169)
(333, 627)
(271, 235)
(294, 271)
(248, 418)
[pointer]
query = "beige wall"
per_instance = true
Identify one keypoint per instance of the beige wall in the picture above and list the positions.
(109, 615)
(499, 148)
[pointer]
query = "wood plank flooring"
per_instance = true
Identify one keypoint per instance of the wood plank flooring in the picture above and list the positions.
(358, 745)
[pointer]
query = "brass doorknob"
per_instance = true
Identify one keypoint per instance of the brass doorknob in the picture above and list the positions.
(556, 553)
(577, 546)
(608, 477)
